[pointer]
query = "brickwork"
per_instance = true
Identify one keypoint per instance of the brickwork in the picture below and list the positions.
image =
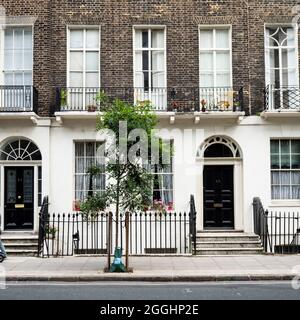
(181, 18)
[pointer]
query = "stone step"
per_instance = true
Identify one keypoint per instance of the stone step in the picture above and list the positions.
(227, 244)
(9, 239)
(229, 251)
(232, 238)
(21, 252)
(20, 246)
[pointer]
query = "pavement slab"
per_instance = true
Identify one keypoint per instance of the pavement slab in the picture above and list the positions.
(215, 268)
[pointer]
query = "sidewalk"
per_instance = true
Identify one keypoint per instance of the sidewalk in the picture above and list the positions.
(219, 268)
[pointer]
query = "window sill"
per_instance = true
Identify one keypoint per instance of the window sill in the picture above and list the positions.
(285, 203)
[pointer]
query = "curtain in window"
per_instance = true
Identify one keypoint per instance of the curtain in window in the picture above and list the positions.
(85, 157)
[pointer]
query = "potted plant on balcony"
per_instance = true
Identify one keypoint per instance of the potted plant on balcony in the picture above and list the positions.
(91, 108)
(63, 98)
(203, 105)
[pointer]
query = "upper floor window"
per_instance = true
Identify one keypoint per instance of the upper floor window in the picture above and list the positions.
(285, 169)
(18, 56)
(83, 67)
(150, 65)
(281, 63)
(215, 57)
(215, 68)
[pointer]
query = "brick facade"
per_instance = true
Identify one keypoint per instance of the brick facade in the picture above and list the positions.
(181, 18)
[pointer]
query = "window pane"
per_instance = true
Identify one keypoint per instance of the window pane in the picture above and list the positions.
(8, 60)
(158, 61)
(296, 192)
(92, 39)
(285, 192)
(145, 60)
(275, 161)
(206, 61)
(18, 80)
(138, 39)
(285, 177)
(275, 146)
(18, 60)
(206, 39)
(76, 38)
(76, 61)
(28, 78)
(76, 79)
(223, 61)
(275, 178)
(206, 80)
(296, 161)
(18, 38)
(27, 59)
(222, 38)
(8, 79)
(92, 79)
(285, 146)
(138, 61)
(92, 61)
(276, 192)
(28, 39)
(8, 39)
(296, 177)
(295, 146)
(158, 80)
(223, 79)
(285, 162)
(145, 39)
(157, 38)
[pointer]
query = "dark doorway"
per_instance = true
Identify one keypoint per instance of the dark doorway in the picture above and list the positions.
(218, 197)
(19, 198)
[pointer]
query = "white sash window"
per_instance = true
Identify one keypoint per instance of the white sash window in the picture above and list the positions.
(150, 66)
(17, 69)
(215, 67)
(282, 77)
(285, 169)
(83, 67)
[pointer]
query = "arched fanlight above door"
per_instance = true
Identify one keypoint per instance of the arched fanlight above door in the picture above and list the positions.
(219, 147)
(20, 150)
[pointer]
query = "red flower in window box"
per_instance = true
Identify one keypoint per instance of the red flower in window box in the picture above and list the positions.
(76, 205)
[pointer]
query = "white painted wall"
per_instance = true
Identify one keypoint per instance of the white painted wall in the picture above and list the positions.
(252, 134)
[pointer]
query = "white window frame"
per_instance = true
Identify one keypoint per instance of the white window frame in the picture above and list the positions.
(83, 50)
(215, 50)
(151, 92)
(267, 48)
(2, 48)
(75, 174)
(282, 200)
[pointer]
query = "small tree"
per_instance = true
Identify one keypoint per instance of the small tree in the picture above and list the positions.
(130, 182)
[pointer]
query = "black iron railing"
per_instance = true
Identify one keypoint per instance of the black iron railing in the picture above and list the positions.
(150, 233)
(18, 99)
(176, 99)
(282, 98)
(279, 231)
(43, 226)
(193, 224)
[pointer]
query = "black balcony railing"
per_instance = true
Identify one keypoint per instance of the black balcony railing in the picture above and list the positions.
(18, 99)
(282, 98)
(176, 99)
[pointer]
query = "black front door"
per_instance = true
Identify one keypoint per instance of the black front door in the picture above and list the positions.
(19, 194)
(218, 197)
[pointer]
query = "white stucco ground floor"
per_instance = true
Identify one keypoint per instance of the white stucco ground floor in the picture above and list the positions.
(223, 162)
